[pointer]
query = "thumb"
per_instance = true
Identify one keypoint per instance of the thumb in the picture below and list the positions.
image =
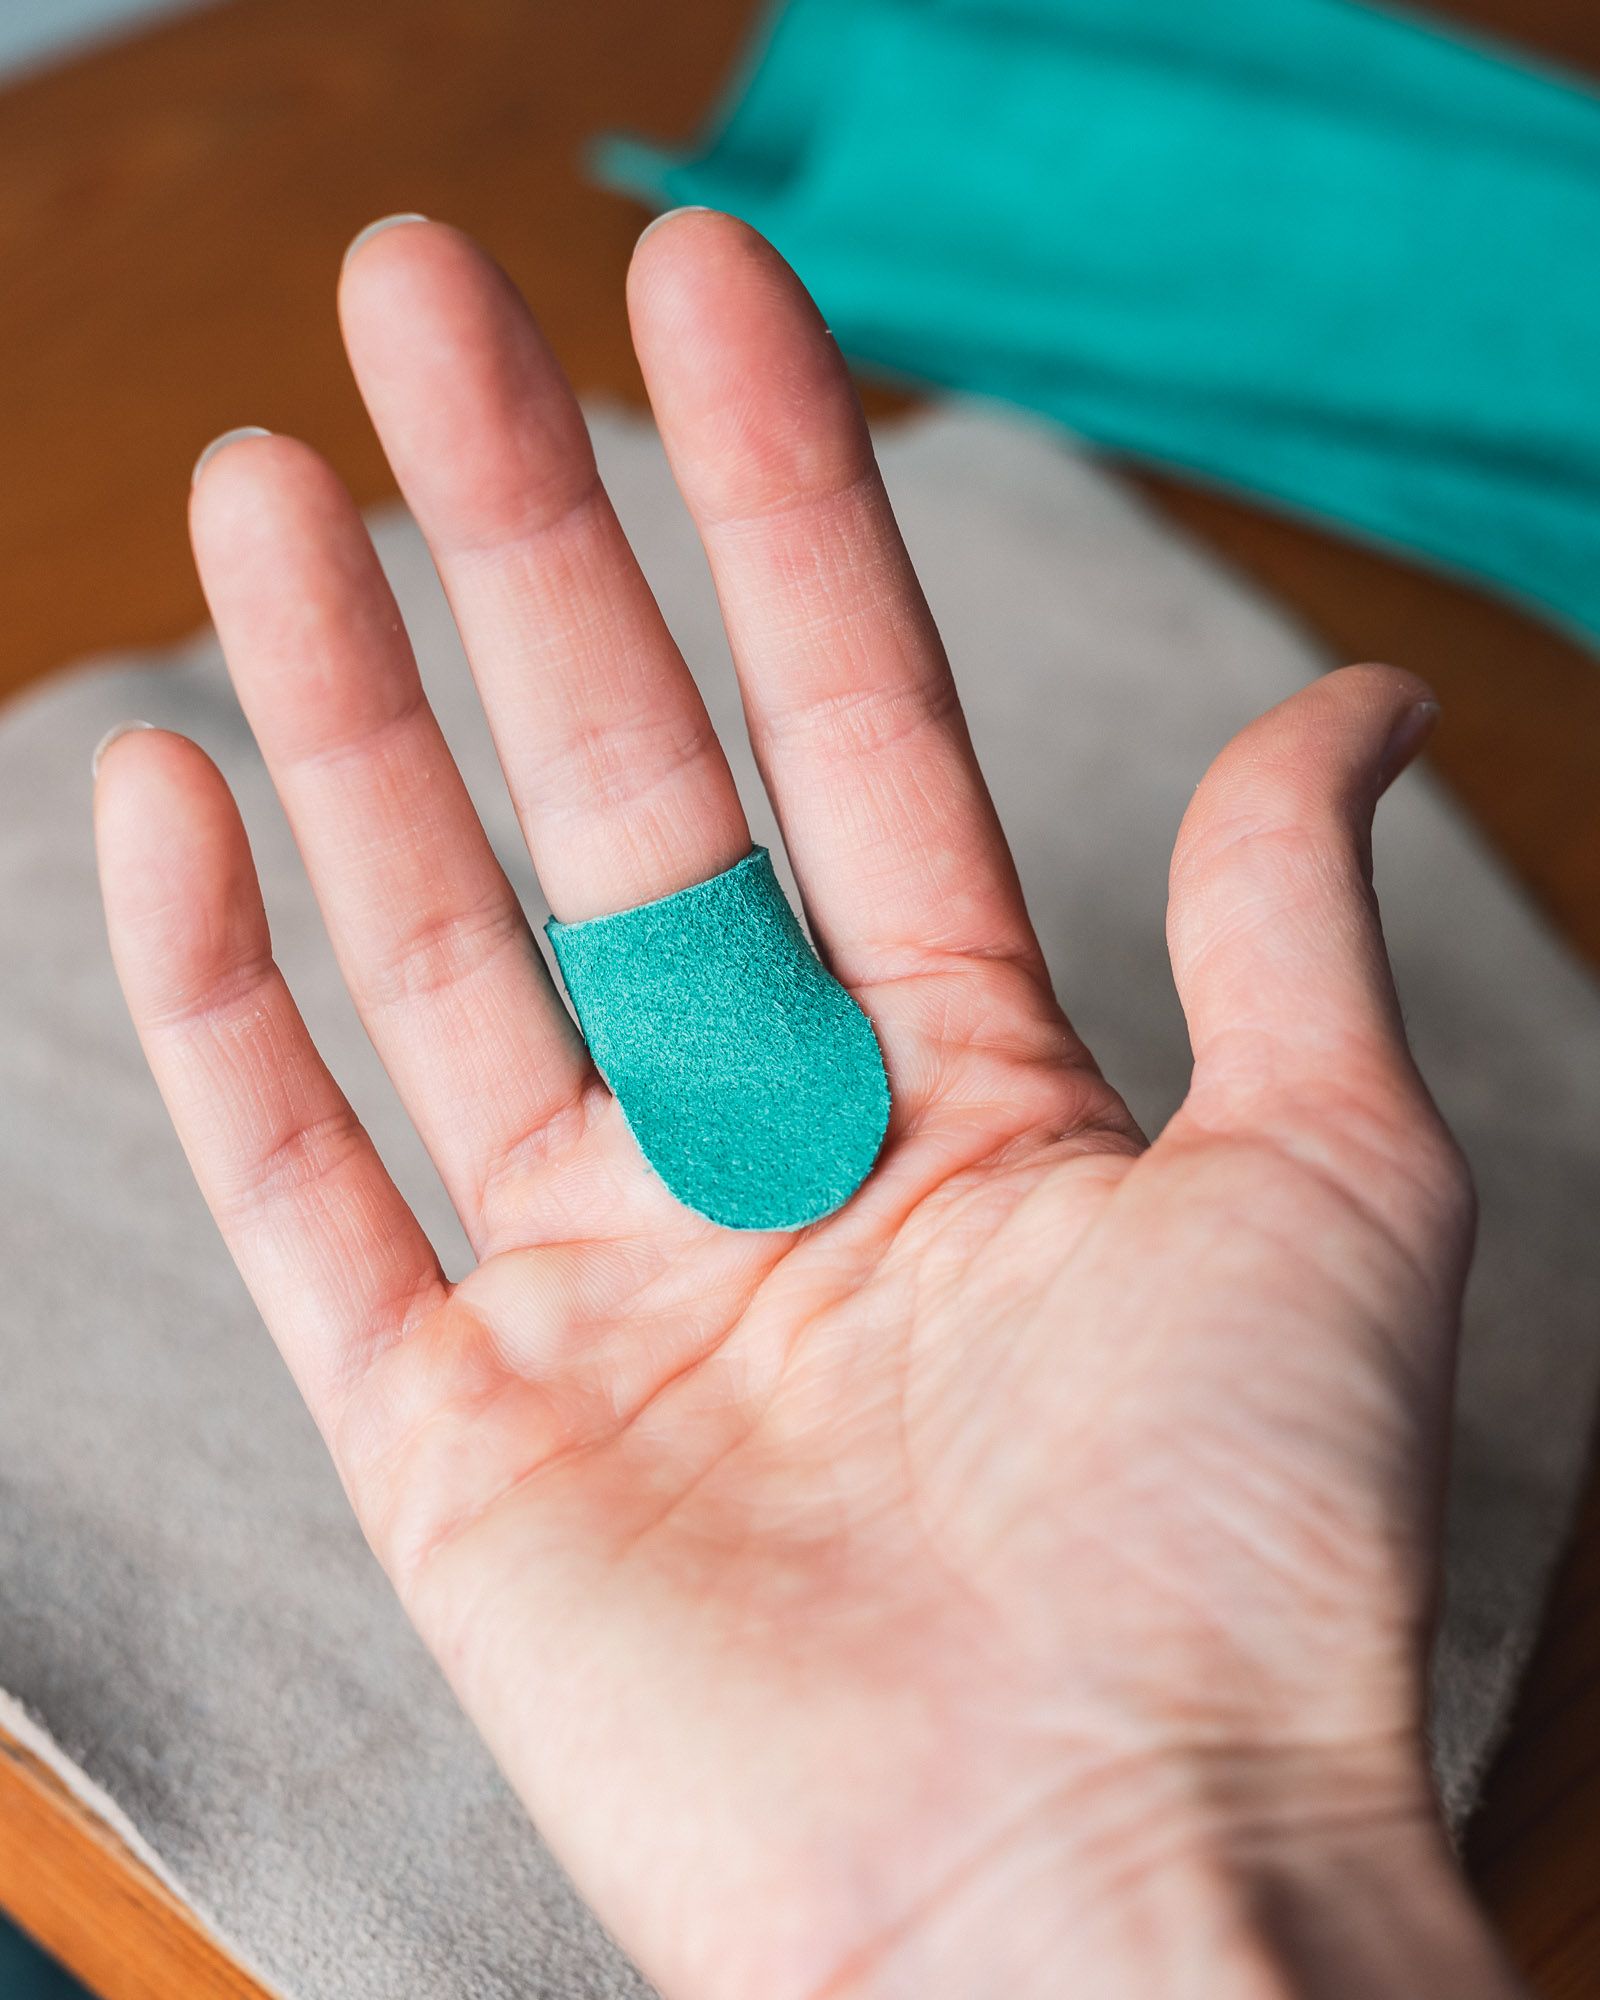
(1276, 944)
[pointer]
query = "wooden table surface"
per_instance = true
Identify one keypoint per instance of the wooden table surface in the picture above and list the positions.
(172, 211)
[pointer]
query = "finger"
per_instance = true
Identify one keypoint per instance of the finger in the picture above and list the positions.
(851, 706)
(331, 1254)
(1276, 943)
(621, 787)
(432, 941)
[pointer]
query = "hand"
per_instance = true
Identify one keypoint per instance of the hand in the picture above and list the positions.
(1018, 1583)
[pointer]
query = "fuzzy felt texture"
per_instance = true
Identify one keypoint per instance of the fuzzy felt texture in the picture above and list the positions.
(750, 1078)
(1181, 230)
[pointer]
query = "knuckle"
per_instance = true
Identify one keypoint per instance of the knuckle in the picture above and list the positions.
(1442, 1174)
(437, 954)
(308, 1154)
(1276, 841)
(619, 763)
(1412, 1163)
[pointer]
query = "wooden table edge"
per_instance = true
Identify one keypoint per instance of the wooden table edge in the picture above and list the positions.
(77, 1889)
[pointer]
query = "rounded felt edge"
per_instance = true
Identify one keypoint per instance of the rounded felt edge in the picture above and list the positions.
(791, 1226)
(555, 928)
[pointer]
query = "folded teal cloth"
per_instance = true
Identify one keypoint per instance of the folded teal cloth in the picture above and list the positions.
(26, 1974)
(1302, 248)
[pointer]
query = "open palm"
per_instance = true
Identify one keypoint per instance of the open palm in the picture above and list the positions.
(895, 1606)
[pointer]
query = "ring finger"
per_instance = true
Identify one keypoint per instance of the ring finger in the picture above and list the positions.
(621, 787)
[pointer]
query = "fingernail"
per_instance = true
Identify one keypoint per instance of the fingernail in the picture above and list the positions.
(110, 737)
(221, 444)
(376, 229)
(666, 215)
(1407, 738)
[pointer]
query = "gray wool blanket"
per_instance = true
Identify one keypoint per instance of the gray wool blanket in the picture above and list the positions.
(190, 1627)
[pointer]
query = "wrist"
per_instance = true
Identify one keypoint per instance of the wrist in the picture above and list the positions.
(1373, 1903)
(1302, 1877)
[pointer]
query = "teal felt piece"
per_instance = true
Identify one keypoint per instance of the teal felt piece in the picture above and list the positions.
(750, 1078)
(1318, 251)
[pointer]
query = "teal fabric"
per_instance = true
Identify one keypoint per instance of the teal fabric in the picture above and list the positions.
(35, 31)
(26, 1974)
(1303, 248)
(750, 1078)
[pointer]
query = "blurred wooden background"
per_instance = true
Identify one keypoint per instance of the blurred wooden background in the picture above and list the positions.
(172, 213)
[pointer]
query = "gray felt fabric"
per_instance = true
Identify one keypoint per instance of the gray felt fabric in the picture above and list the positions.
(185, 1608)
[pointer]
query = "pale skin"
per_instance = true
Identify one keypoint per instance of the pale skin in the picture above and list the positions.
(1018, 1583)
